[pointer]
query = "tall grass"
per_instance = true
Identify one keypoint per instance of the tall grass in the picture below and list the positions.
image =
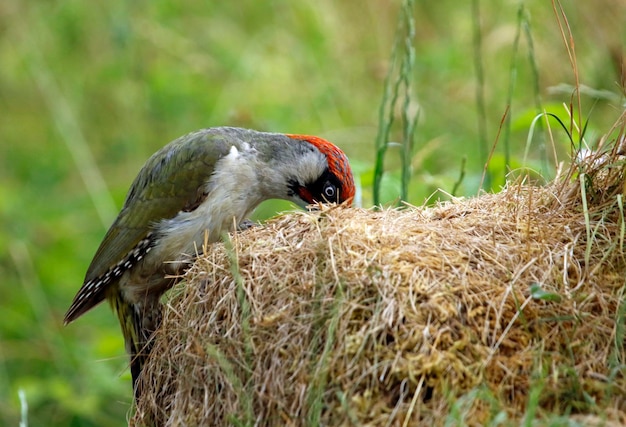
(398, 95)
(481, 113)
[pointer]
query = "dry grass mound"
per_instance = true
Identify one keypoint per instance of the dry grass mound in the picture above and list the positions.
(486, 310)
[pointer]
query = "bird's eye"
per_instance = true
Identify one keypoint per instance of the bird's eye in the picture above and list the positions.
(330, 191)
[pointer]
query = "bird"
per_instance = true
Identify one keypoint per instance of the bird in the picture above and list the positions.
(190, 192)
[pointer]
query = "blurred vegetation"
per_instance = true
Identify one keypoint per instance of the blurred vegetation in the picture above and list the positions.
(89, 90)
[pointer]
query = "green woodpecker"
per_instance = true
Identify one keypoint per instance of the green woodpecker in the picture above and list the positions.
(198, 185)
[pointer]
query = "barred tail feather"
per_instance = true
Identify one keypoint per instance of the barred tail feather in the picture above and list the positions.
(90, 294)
(96, 288)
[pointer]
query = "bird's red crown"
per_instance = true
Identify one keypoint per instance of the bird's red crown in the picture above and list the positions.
(337, 163)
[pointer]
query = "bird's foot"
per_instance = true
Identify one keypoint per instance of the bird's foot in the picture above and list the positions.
(246, 224)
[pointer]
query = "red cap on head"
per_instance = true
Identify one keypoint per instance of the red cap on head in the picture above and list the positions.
(337, 163)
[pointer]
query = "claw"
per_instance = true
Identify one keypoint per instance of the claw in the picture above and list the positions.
(246, 224)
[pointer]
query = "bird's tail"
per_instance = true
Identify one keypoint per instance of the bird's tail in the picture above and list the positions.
(138, 322)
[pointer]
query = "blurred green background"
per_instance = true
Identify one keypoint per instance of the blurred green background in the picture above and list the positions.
(89, 90)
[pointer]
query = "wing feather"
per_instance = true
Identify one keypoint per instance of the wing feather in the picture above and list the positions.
(172, 180)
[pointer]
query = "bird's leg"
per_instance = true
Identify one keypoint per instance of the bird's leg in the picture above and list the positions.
(148, 318)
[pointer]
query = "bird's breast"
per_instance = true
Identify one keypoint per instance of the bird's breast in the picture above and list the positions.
(233, 192)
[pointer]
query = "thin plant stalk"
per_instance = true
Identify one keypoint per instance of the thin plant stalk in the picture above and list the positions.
(480, 93)
(396, 87)
(512, 80)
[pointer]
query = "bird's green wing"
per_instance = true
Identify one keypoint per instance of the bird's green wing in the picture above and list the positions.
(172, 180)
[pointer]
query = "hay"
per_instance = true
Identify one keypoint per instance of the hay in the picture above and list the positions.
(507, 305)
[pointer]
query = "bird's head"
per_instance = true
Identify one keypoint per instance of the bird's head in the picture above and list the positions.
(323, 173)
